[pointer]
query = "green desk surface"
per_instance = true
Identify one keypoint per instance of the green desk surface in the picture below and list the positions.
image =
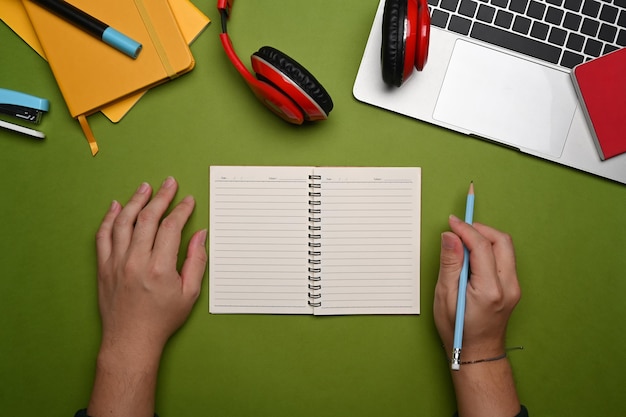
(569, 229)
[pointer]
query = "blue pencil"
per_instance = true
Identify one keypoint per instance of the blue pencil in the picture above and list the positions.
(460, 301)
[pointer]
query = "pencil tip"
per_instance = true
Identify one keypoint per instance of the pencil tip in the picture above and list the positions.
(471, 188)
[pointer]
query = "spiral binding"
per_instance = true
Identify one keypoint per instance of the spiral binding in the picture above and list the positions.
(314, 245)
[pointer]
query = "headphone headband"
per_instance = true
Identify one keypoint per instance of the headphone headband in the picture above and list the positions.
(225, 5)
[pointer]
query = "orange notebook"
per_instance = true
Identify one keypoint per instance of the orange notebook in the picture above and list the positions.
(91, 74)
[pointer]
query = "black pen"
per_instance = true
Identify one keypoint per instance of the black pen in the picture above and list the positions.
(92, 26)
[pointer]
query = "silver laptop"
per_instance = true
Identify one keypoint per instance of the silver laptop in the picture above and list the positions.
(500, 70)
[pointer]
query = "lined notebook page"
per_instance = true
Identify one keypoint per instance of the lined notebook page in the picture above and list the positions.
(258, 240)
(365, 241)
(370, 236)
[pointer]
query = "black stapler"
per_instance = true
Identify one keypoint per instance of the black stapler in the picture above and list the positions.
(24, 107)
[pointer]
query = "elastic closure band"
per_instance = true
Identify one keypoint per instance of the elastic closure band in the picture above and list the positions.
(154, 36)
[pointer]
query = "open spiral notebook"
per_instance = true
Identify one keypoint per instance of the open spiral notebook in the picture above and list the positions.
(309, 240)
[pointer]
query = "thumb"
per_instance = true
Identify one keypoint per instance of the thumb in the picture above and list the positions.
(195, 264)
(451, 259)
(446, 290)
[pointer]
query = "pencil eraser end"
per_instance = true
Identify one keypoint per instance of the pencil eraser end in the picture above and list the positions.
(121, 42)
(456, 367)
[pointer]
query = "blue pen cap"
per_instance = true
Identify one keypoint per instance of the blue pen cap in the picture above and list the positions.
(121, 42)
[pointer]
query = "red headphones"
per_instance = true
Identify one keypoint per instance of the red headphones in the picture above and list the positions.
(283, 85)
(406, 33)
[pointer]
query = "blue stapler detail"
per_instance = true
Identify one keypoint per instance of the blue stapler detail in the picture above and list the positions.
(23, 107)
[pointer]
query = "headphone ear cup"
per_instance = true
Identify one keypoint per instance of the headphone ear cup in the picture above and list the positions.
(393, 42)
(293, 80)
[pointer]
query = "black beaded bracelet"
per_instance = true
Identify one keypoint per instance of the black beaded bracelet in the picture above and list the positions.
(495, 358)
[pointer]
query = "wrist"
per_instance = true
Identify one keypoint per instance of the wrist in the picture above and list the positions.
(486, 389)
(129, 355)
(125, 381)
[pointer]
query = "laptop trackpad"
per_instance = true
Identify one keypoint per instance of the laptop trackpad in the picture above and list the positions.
(507, 99)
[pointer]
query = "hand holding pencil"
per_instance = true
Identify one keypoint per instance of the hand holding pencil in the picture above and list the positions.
(484, 384)
(492, 288)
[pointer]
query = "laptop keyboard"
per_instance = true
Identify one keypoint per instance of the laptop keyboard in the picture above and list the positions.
(561, 32)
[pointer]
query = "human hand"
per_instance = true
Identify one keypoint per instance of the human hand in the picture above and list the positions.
(143, 299)
(492, 292)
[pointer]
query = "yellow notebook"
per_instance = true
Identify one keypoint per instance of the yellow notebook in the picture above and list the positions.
(191, 22)
(91, 74)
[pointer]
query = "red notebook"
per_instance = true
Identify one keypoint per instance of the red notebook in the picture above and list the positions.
(601, 87)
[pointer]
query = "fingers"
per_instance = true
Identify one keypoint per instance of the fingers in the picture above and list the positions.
(138, 225)
(168, 236)
(504, 254)
(124, 224)
(481, 254)
(503, 249)
(104, 235)
(492, 256)
(149, 218)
